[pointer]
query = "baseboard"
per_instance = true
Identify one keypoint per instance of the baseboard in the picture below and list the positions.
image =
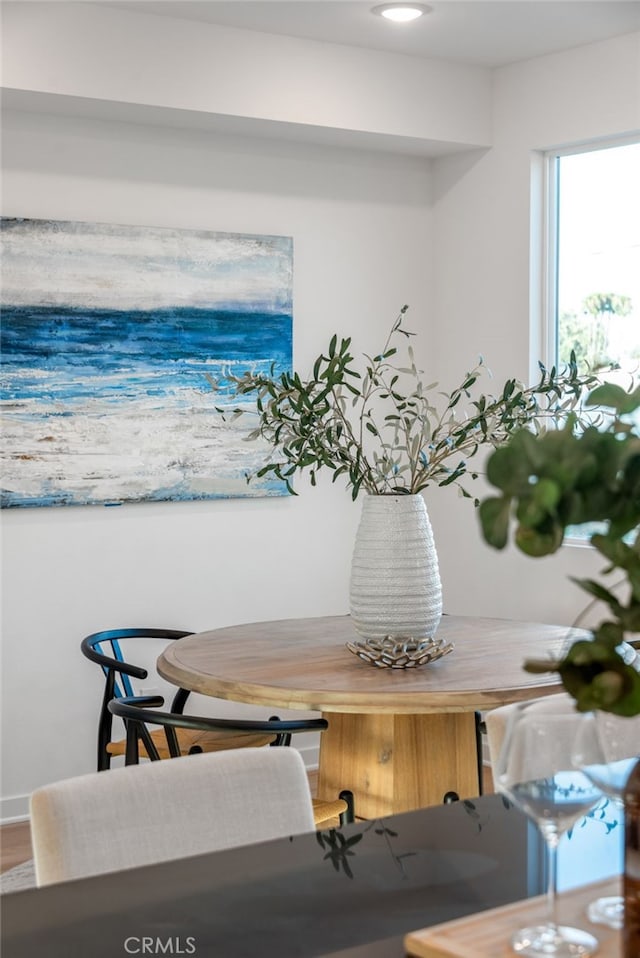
(310, 756)
(14, 809)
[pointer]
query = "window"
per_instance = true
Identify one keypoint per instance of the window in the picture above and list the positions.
(593, 302)
(594, 287)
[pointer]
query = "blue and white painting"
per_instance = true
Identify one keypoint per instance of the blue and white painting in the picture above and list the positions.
(110, 337)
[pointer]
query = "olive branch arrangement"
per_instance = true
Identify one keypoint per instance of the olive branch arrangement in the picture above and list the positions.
(381, 427)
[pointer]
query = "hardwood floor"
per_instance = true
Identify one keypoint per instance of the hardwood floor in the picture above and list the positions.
(15, 845)
(15, 839)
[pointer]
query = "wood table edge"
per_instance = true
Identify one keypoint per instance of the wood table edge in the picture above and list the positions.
(447, 940)
(323, 700)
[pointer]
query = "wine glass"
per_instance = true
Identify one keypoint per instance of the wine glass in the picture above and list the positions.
(535, 771)
(606, 748)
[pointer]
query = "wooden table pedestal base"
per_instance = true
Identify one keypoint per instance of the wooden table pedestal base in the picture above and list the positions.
(396, 763)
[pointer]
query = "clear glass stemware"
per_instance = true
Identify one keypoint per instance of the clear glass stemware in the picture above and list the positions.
(536, 772)
(606, 749)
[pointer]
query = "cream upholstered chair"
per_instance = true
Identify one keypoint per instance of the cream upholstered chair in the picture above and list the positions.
(143, 814)
(497, 720)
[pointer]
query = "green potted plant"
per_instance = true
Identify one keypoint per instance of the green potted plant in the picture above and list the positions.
(577, 477)
(390, 436)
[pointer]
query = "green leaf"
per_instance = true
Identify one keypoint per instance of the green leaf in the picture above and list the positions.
(598, 590)
(494, 516)
(540, 542)
(614, 397)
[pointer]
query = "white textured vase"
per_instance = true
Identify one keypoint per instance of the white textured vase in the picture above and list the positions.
(395, 580)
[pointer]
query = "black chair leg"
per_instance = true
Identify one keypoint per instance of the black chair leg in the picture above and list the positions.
(481, 729)
(348, 816)
(449, 797)
(105, 725)
(180, 700)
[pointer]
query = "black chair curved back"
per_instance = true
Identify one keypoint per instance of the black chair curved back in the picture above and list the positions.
(104, 648)
(138, 711)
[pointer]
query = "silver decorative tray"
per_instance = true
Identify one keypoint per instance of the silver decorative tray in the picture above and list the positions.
(394, 652)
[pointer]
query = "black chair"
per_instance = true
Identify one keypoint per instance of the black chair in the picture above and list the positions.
(104, 648)
(138, 712)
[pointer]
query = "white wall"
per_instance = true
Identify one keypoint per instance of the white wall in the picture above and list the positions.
(483, 221)
(362, 238)
(361, 226)
(311, 89)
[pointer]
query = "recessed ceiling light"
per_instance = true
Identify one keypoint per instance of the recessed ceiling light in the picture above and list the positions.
(401, 12)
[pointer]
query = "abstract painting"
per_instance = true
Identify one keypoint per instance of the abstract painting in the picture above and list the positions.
(111, 336)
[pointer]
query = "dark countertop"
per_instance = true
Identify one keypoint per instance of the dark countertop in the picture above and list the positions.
(348, 893)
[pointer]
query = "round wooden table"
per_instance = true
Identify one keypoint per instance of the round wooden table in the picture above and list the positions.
(399, 739)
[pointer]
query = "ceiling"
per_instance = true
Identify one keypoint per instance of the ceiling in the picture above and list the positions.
(490, 34)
